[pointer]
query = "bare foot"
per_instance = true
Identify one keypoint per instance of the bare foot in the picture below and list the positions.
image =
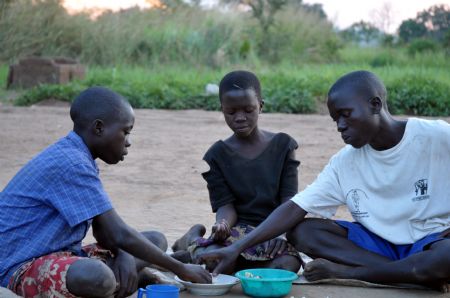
(323, 269)
(183, 256)
(194, 232)
(442, 287)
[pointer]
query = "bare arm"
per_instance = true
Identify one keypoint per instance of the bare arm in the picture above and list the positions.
(113, 233)
(226, 217)
(292, 172)
(228, 213)
(282, 219)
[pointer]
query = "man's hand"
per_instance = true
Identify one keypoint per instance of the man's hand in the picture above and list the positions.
(195, 273)
(275, 247)
(124, 268)
(226, 258)
(221, 231)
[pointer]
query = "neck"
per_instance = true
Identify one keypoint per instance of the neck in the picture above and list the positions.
(87, 140)
(390, 133)
(255, 137)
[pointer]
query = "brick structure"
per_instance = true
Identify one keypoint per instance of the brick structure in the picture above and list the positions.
(33, 71)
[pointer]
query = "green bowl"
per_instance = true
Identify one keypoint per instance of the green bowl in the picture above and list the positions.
(266, 282)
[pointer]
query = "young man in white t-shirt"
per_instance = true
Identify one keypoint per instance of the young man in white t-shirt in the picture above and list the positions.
(394, 177)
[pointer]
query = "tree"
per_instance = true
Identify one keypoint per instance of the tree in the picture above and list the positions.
(446, 42)
(315, 8)
(433, 22)
(383, 17)
(436, 19)
(4, 6)
(263, 10)
(410, 30)
(362, 32)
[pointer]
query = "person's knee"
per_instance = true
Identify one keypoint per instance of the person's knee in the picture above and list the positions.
(306, 236)
(437, 266)
(157, 238)
(302, 236)
(93, 278)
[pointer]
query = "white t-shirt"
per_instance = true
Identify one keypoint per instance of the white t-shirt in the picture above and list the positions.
(401, 194)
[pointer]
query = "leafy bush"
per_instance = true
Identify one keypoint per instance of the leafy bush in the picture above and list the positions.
(44, 92)
(287, 89)
(397, 56)
(418, 95)
(383, 59)
(422, 46)
(287, 95)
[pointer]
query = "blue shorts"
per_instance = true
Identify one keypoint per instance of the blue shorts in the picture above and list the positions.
(371, 242)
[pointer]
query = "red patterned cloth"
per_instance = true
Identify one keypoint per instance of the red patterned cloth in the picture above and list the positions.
(46, 276)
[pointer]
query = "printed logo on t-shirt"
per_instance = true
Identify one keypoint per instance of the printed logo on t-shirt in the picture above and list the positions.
(355, 197)
(421, 189)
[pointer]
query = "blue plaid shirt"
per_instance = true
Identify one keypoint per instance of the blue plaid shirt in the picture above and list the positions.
(49, 205)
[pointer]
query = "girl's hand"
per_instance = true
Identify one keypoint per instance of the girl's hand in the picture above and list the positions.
(275, 247)
(221, 231)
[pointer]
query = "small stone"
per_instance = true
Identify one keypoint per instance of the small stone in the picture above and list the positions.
(211, 89)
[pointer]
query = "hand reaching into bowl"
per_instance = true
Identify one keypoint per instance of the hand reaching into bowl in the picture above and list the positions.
(195, 273)
(226, 259)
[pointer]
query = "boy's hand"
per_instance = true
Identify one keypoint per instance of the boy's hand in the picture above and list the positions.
(221, 231)
(226, 258)
(124, 268)
(195, 273)
(275, 247)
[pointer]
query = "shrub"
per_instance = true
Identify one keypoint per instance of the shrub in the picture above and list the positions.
(422, 46)
(287, 95)
(288, 89)
(44, 92)
(382, 59)
(418, 95)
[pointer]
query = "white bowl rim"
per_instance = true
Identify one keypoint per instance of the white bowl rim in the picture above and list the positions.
(189, 284)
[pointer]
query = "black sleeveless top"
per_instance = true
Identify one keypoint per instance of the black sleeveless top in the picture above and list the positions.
(254, 186)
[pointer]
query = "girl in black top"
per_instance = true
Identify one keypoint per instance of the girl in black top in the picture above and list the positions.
(251, 173)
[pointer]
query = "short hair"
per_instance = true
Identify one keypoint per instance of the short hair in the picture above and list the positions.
(96, 103)
(240, 80)
(362, 82)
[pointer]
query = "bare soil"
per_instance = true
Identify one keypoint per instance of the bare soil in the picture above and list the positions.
(159, 185)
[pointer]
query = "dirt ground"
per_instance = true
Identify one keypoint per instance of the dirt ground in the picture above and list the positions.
(159, 186)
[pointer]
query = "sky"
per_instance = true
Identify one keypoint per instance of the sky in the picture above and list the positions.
(342, 13)
(77, 5)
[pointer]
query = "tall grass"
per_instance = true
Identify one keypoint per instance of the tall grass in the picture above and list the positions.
(151, 37)
(3, 76)
(164, 59)
(397, 56)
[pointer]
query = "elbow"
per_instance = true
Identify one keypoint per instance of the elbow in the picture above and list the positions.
(111, 240)
(120, 238)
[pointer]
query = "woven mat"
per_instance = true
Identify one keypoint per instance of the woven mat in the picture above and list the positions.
(301, 280)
